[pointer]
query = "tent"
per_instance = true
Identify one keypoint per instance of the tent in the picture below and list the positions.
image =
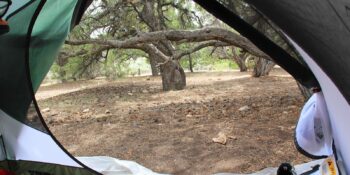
(318, 30)
(38, 28)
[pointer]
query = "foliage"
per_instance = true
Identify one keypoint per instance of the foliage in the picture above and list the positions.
(120, 20)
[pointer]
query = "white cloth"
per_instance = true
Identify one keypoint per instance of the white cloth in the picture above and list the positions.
(313, 131)
(111, 166)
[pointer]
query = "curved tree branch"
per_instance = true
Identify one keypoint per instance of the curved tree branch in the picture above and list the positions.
(200, 35)
(199, 47)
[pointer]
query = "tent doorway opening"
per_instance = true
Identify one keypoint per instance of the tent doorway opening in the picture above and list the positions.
(170, 86)
(100, 100)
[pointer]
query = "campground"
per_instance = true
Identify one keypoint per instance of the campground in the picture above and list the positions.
(172, 132)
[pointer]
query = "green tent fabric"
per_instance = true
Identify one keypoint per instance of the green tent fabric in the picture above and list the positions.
(38, 29)
(47, 36)
(49, 32)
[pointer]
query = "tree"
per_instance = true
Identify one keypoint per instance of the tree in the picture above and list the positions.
(262, 67)
(170, 67)
(240, 58)
(159, 29)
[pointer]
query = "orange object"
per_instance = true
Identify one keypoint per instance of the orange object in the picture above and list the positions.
(3, 22)
(4, 28)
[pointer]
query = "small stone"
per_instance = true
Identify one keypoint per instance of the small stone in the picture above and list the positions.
(221, 138)
(107, 111)
(86, 110)
(53, 114)
(189, 115)
(129, 93)
(244, 108)
(101, 119)
(232, 137)
(101, 105)
(145, 91)
(46, 110)
(224, 112)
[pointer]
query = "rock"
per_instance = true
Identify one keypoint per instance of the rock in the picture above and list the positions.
(86, 110)
(221, 138)
(281, 128)
(189, 115)
(232, 137)
(101, 105)
(244, 108)
(101, 119)
(49, 121)
(285, 112)
(224, 112)
(145, 91)
(53, 114)
(129, 93)
(292, 107)
(107, 111)
(46, 110)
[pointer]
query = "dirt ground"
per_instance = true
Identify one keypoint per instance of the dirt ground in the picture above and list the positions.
(172, 132)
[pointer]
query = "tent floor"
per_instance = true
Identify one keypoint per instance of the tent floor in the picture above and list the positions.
(131, 119)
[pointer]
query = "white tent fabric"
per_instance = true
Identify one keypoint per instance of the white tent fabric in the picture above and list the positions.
(313, 131)
(272, 171)
(25, 143)
(111, 166)
(338, 108)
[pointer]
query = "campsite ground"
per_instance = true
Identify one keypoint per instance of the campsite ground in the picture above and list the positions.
(172, 132)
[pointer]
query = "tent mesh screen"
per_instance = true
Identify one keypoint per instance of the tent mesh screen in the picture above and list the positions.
(262, 24)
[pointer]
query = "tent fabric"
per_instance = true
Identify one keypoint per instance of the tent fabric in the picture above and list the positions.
(301, 168)
(26, 143)
(14, 87)
(318, 29)
(321, 28)
(320, 32)
(52, 25)
(299, 71)
(111, 166)
(338, 109)
(38, 29)
(313, 135)
(50, 30)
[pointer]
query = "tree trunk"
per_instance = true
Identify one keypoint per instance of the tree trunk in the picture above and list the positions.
(304, 91)
(62, 74)
(190, 63)
(173, 76)
(240, 61)
(154, 67)
(262, 67)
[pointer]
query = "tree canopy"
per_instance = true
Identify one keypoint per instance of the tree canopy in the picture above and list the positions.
(163, 31)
